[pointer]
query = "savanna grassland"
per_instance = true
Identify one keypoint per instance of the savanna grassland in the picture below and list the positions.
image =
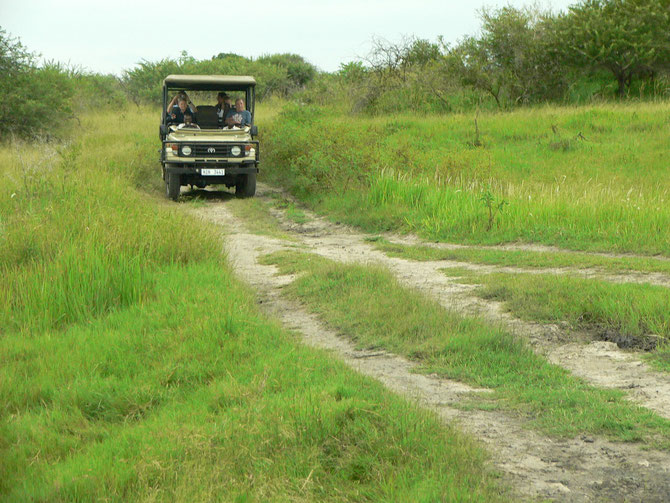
(583, 178)
(571, 187)
(135, 367)
(505, 264)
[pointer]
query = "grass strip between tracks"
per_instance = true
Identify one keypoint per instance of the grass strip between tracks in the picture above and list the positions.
(633, 315)
(368, 304)
(522, 258)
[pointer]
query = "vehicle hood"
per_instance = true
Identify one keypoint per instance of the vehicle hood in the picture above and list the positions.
(209, 135)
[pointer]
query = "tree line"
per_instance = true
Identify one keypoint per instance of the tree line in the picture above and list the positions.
(597, 49)
(45, 96)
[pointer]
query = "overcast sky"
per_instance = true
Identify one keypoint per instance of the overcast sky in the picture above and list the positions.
(114, 35)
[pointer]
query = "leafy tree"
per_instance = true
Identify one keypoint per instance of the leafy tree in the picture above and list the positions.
(512, 59)
(280, 74)
(472, 63)
(392, 63)
(230, 56)
(353, 72)
(14, 58)
(628, 38)
(299, 71)
(143, 83)
(40, 97)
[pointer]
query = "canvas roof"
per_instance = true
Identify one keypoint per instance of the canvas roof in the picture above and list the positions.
(209, 82)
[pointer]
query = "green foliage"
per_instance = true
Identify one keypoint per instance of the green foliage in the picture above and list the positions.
(143, 83)
(277, 74)
(14, 58)
(299, 71)
(46, 98)
(327, 162)
(522, 56)
(621, 312)
(74, 242)
(37, 99)
(628, 38)
(353, 72)
(511, 60)
(94, 91)
(493, 205)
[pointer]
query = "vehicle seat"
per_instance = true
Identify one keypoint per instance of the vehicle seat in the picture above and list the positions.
(207, 118)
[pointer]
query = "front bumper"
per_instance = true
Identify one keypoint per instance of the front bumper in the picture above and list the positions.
(237, 168)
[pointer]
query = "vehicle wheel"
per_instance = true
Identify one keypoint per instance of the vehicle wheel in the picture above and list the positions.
(246, 185)
(172, 186)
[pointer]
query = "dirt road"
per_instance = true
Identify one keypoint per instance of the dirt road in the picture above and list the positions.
(580, 469)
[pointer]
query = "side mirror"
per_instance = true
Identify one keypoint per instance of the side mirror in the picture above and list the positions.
(162, 131)
(253, 130)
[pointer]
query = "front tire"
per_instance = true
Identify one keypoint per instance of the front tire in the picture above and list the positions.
(172, 186)
(246, 185)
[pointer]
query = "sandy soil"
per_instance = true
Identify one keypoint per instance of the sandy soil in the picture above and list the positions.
(581, 469)
(525, 247)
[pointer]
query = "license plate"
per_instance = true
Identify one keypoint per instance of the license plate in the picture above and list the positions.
(213, 172)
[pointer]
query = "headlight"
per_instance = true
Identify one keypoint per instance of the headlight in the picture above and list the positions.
(186, 150)
(251, 152)
(235, 150)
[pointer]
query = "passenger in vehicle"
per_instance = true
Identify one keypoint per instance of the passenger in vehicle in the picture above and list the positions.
(223, 105)
(239, 116)
(188, 122)
(176, 115)
(174, 103)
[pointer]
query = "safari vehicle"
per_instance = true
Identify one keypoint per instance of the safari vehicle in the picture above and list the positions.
(209, 152)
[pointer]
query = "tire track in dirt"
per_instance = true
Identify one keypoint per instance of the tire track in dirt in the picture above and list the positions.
(598, 362)
(539, 248)
(575, 470)
(650, 278)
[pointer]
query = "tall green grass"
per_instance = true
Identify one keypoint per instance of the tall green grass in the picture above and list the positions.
(194, 396)
(589, 178)
(134, 367)
(76, 240)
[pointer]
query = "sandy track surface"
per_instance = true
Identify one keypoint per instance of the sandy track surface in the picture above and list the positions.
(583, 469)
(526, 247)
(650, 278)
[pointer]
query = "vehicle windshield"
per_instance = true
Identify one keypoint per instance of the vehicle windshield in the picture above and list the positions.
(207, 109)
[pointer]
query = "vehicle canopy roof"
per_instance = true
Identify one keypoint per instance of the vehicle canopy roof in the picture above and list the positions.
(209, 82)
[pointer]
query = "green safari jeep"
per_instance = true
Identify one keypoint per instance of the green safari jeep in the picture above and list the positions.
(209, 145)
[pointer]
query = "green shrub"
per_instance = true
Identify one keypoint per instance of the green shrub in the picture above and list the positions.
(40, 97)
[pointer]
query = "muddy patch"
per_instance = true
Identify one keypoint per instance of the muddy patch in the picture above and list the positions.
(626, 341)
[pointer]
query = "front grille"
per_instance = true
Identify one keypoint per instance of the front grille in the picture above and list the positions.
(216, 150)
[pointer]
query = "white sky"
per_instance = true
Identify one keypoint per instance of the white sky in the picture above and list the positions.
(114, 35)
